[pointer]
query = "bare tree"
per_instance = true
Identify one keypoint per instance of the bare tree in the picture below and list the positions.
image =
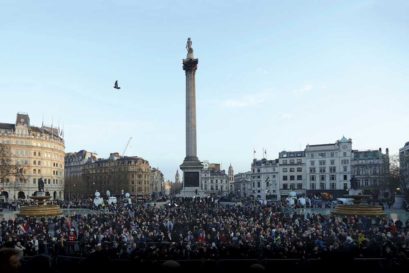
(7, 168)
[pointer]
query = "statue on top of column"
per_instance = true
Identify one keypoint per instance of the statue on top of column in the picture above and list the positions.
(189, 49)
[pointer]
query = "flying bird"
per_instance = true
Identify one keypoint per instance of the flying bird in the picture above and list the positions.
(116, 85)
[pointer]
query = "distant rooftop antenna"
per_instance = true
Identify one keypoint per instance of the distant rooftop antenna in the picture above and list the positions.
(126, 147)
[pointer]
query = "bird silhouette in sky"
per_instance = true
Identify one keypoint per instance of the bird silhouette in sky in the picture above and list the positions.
(116, 85)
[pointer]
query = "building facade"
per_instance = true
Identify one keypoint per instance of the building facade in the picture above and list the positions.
(329, 167)
(404, 166)
(75, 187)
(242, 184)
(231, 178)
(214, 180)
(292, 172)
(157, 181)
(265, 179)
(370, 171)
(38, 152)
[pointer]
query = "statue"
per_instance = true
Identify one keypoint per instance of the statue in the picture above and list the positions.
(41, 185)
(189, 49)
(188, 44)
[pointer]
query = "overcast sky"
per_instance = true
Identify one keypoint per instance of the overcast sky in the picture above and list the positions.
(272, 74)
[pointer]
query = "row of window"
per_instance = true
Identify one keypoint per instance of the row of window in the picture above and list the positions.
(292, 177)
(47, 181)
(323, 186)
(292, 161)
(299, 169)
(322, 177)
(329, 154)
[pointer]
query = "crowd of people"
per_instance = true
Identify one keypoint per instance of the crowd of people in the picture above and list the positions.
(201, 228)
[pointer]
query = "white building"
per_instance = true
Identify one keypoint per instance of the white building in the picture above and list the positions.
(214, 180)
(264, 179)
(292, 172)
(329, 167)
(243, 184)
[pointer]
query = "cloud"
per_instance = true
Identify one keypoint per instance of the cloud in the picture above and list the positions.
(246, 101)
(303, 90)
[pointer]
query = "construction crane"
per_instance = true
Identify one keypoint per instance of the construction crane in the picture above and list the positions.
(126, 147)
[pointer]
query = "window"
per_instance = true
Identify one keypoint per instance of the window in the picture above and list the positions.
(332, 186)
(299, 161)
(345, 153)
(34, 171)
(292, 170)
(312, 177)
(345, 161)
(332, 177)
(292, 177)
(332, 169)
(332, 154)
(312, 170)
(285, 161)
(312, 186)
(345, 168)
(322, 162)
(299, 186)
(299, 177)
(322, 169)
(312, 162)
(34, 181)
(292, 187)
(322, 177)
(34, 153)
(345, 177)
(299, 169)
(291, 161)
(312, 155)
(258, 170)
(321, 154)
(332, 162)
(258, 184)
(285, 186)
(284, 178)
(345, 186)
(285, 170)
(322, 186)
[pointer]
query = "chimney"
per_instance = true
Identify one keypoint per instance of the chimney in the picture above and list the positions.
(380, 150)
(387, 151)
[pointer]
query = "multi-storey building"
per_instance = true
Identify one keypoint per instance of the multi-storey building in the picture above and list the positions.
(404, 166)
(38, 153)
(243, 184)
(75, 188)
(264, 179)
(118, 174)
(214, 180)
(231, 178)
(329, 167)
(370, 171)
(292, 172)
(157, 181)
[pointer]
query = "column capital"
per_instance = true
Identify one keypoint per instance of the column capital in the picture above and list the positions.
(190, 64)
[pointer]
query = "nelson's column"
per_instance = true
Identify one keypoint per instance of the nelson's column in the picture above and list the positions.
(191, 166)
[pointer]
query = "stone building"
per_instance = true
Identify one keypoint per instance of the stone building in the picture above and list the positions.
(85, 174)
(214, 180)
(329, 167)
(74, 169)
(156, 181)
(292, 172)
(243, 184)
(264, 179)
(370, 171)
(404, 166)
(38, 153)
(231, 178)
(118, 174)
